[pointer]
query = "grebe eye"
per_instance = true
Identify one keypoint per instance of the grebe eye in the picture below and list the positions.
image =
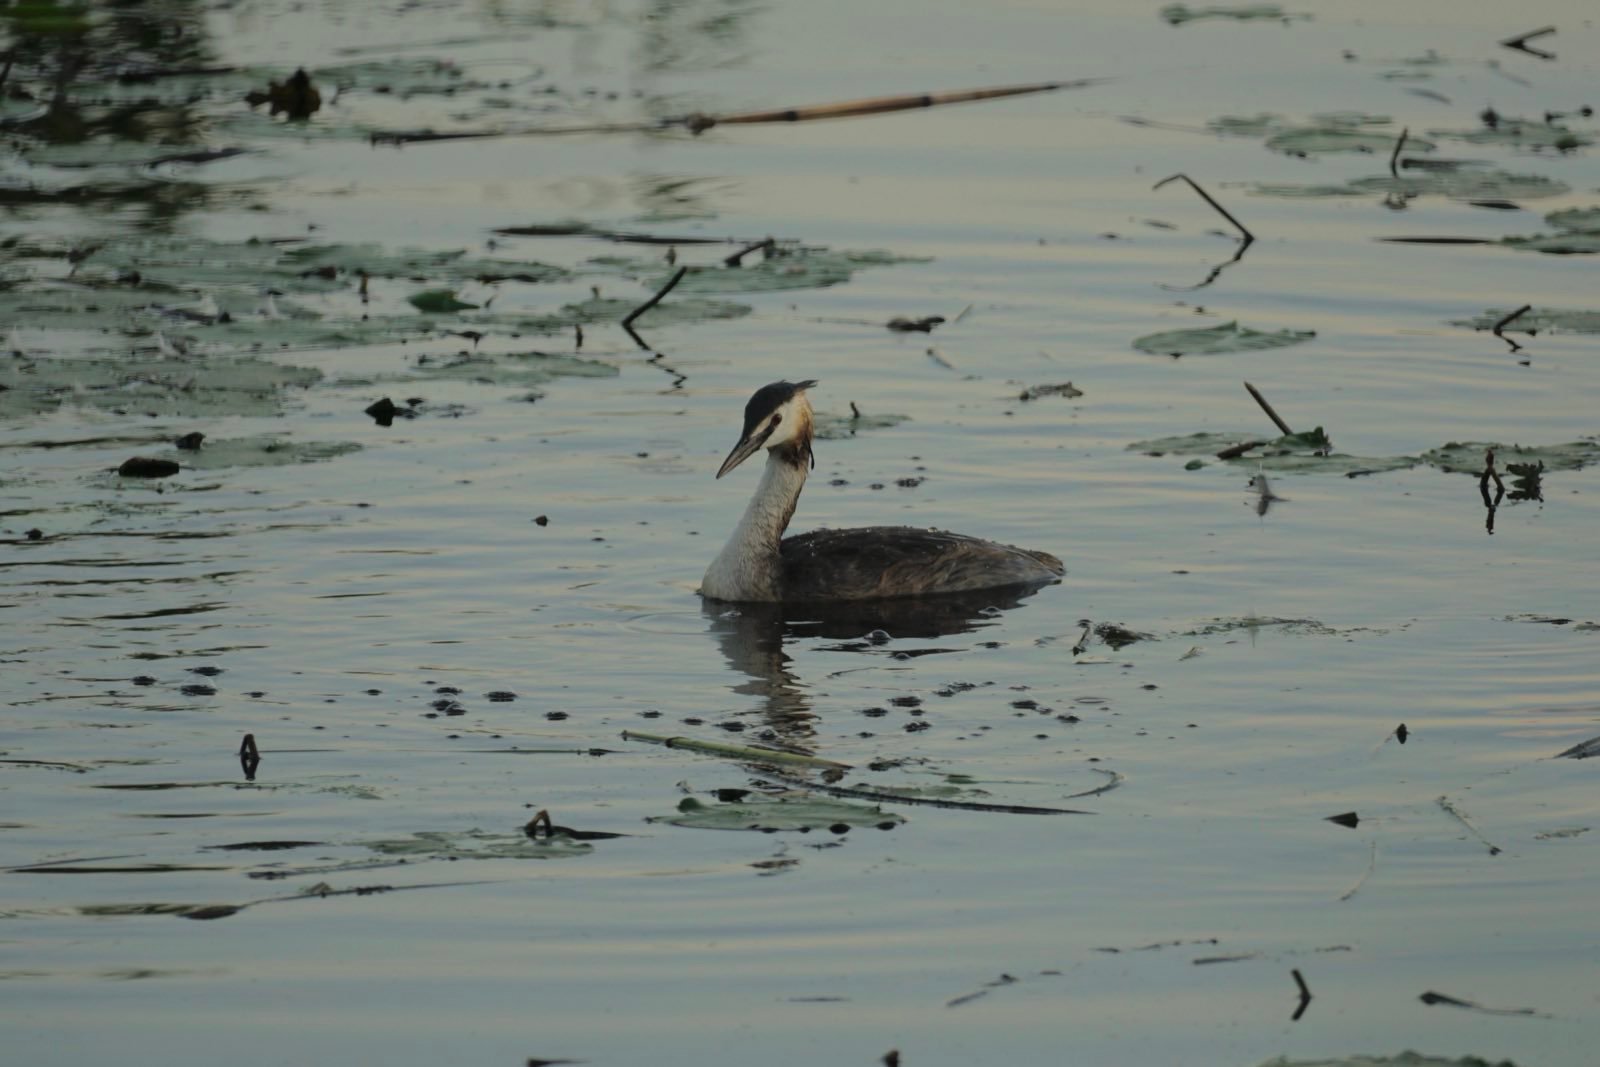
(776, 419)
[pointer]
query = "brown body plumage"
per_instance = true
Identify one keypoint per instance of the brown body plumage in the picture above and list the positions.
(870, 563)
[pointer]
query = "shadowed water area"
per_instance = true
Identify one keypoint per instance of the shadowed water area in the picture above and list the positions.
(356, 702)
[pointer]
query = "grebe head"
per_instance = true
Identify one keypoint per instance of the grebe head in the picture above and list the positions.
(777, 416)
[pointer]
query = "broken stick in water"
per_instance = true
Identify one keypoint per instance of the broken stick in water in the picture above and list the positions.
(1273, 415)
(1305, 995)
(1500, 326)
(1249, 238)
(677, 277)
(1490, 473)
(877, 105)
(766, 246)
(1394, 157)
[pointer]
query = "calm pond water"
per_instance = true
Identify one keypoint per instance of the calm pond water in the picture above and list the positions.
(437, 628)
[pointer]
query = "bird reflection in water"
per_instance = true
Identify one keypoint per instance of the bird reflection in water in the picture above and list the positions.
(752, 638)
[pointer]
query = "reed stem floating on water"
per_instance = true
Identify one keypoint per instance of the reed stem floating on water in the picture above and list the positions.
(749, 753)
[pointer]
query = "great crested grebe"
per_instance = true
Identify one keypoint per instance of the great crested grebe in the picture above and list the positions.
(875, 562)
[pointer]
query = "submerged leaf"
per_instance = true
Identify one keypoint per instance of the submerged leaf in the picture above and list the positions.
(1466, 457)
(791, 811)
(266, 450)
(1214, 340)
(439, 302)
(1178, 14)
(1571, 320)
(478, 845)
(1463, 184)
(830, 427)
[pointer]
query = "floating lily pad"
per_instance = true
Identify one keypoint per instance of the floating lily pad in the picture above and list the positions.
(1178, 14)
(171, 387)
(1321, 140)
(1216, 340)
(439, 302)
(478, 845)
(1570, 320)
(1579, 234)
(1405, 1059)
(830, 427)
(1466, 457)
(1463, 184)
(521, 370)
(793, 811)
(1520, 133)
(1293, 454)
(790, 268)
(266, 450)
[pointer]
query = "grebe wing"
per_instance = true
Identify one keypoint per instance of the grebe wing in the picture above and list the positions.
(879, 562)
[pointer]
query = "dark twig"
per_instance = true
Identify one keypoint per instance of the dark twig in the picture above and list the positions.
(1520, 42)
(766, 245)
(1305, 995)
(698, 123)
(1235, 451)
(883, 797)
(1394, 157)
(1249, 238)
(677, 277)
(1273, 415)
(1490, 473)
(1500, 326)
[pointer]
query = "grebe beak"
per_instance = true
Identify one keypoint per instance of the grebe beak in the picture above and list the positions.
(747, 447)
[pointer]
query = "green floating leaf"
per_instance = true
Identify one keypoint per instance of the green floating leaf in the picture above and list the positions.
(1321, 140)
(439, 302)
(266, 450)
(1178, 14)
(829, 427)
(171, 387)
(789, 268)
(1405, 1059)
(1520, 133)
(1215, 340)
(478, 845)
(1461, 184)
(1294, 454)
(521, 370)
(1466, 457)
(793, 811)
(1579, 234)
(1570, 320)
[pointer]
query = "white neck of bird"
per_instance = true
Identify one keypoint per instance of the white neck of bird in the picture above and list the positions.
(748, 566)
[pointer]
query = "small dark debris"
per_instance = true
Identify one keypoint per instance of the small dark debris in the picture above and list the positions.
(1349, 819)
(1035, 392)
(197, 690)
(541, 520)
(730, 795)
(35, 534)
(874, 713)
(500, 696)
(190, 442)
(732, 727)
(906, 701)
(448, 690)
(1401, 733)
(555, 716)
(918, 726)
(209, 672)
(145, 467)
(909, 483)
(143, 679)
(900, 324)
(839, 828)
